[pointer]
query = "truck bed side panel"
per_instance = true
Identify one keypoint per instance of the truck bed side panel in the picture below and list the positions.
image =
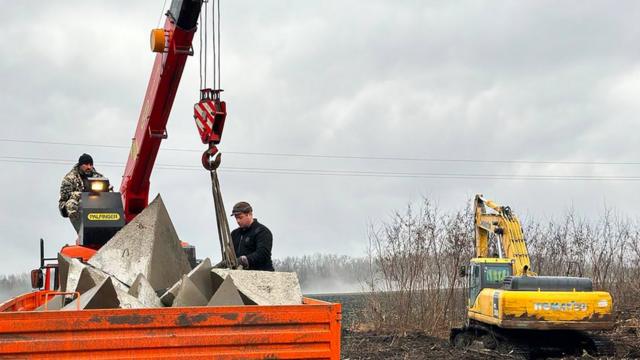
(307, 331)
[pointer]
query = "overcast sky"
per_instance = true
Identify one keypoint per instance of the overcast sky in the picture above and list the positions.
(538, 84)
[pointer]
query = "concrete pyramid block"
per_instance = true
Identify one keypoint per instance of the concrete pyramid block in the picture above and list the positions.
(169, 296)
(73, 274)
(85, 282)
(227, 294)
(200, 276)
(101, 296)
(148, 245)
(189, 294)
(54, 303)
(143, 291)
(90, 277)
(119, 285)
(128, 301)
(265, 287)
(63, 271)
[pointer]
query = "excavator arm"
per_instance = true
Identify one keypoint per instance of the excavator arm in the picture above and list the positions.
(505, 225)
(173, 46)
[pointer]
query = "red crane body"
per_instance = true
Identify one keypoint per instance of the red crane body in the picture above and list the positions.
(161, 91)
(173, 44)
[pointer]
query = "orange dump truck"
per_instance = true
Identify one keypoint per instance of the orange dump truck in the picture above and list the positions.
(307, 331)
(310, 330)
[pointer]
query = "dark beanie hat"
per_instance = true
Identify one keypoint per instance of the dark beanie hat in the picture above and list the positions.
(85, 159)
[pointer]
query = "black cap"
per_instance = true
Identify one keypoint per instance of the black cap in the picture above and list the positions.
(85, 159)
(242, 207)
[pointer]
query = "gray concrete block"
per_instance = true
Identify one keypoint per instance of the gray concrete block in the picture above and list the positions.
(219, 279)
(201, 277)
(128, 301)
(90, 277)
(189, 294)
(227, 294)
(169, 296)
(265, 287)
(143, 291)
(85, 282)
(148, 245)
(73, 274)
(119, 285)
(63, 271)
(55, 303)
(101, 296)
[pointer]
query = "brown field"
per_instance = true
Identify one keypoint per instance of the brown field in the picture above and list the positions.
(360, 343)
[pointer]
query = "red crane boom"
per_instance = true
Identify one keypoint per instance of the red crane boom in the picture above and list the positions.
(173, 45)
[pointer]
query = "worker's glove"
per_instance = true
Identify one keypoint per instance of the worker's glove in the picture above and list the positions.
(72, 208)
(242, 260)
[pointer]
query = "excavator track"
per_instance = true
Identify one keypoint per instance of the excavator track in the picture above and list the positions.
(477, 338)
(530, 344)
(600, 346)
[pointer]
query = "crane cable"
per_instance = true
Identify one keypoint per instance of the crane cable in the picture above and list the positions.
(215, 45)
(222, 224)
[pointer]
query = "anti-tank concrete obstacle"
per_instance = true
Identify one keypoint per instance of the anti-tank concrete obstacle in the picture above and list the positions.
(145, 258)
(148, 245)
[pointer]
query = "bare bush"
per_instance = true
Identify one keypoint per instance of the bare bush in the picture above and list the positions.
(606, 250)
(414, 260)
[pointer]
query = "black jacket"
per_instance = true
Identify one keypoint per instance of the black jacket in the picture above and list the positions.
(255, 243)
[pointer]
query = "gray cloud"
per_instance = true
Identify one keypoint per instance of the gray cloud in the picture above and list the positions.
(533, 80)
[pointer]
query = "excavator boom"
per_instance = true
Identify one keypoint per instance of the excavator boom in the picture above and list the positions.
(506, 226)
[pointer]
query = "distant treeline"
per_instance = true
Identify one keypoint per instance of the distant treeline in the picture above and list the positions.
(327, 273)
(12, 285)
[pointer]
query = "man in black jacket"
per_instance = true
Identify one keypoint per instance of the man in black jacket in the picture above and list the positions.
(252, 241)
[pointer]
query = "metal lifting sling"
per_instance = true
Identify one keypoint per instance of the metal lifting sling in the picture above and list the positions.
(224, 234)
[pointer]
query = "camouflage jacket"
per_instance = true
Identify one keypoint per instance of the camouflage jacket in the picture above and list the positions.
(71, 187)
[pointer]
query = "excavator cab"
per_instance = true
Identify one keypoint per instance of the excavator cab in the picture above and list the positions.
(487, 273)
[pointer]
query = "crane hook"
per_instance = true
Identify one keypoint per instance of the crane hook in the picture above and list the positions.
(211, 158)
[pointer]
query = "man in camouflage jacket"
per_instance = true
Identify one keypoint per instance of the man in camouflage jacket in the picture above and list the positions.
(73, 184)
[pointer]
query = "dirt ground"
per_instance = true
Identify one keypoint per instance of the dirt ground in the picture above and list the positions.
(376, 346)
(372, 346)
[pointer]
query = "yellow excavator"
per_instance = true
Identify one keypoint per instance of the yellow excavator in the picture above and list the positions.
(511, 308)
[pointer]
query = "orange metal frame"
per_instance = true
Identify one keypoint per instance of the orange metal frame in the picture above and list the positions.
(307, 331)
(77, 251)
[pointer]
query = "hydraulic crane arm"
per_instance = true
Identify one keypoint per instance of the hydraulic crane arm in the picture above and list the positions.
(506, 226)
(173, 46)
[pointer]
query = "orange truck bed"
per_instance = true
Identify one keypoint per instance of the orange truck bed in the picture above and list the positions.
(307, 331)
